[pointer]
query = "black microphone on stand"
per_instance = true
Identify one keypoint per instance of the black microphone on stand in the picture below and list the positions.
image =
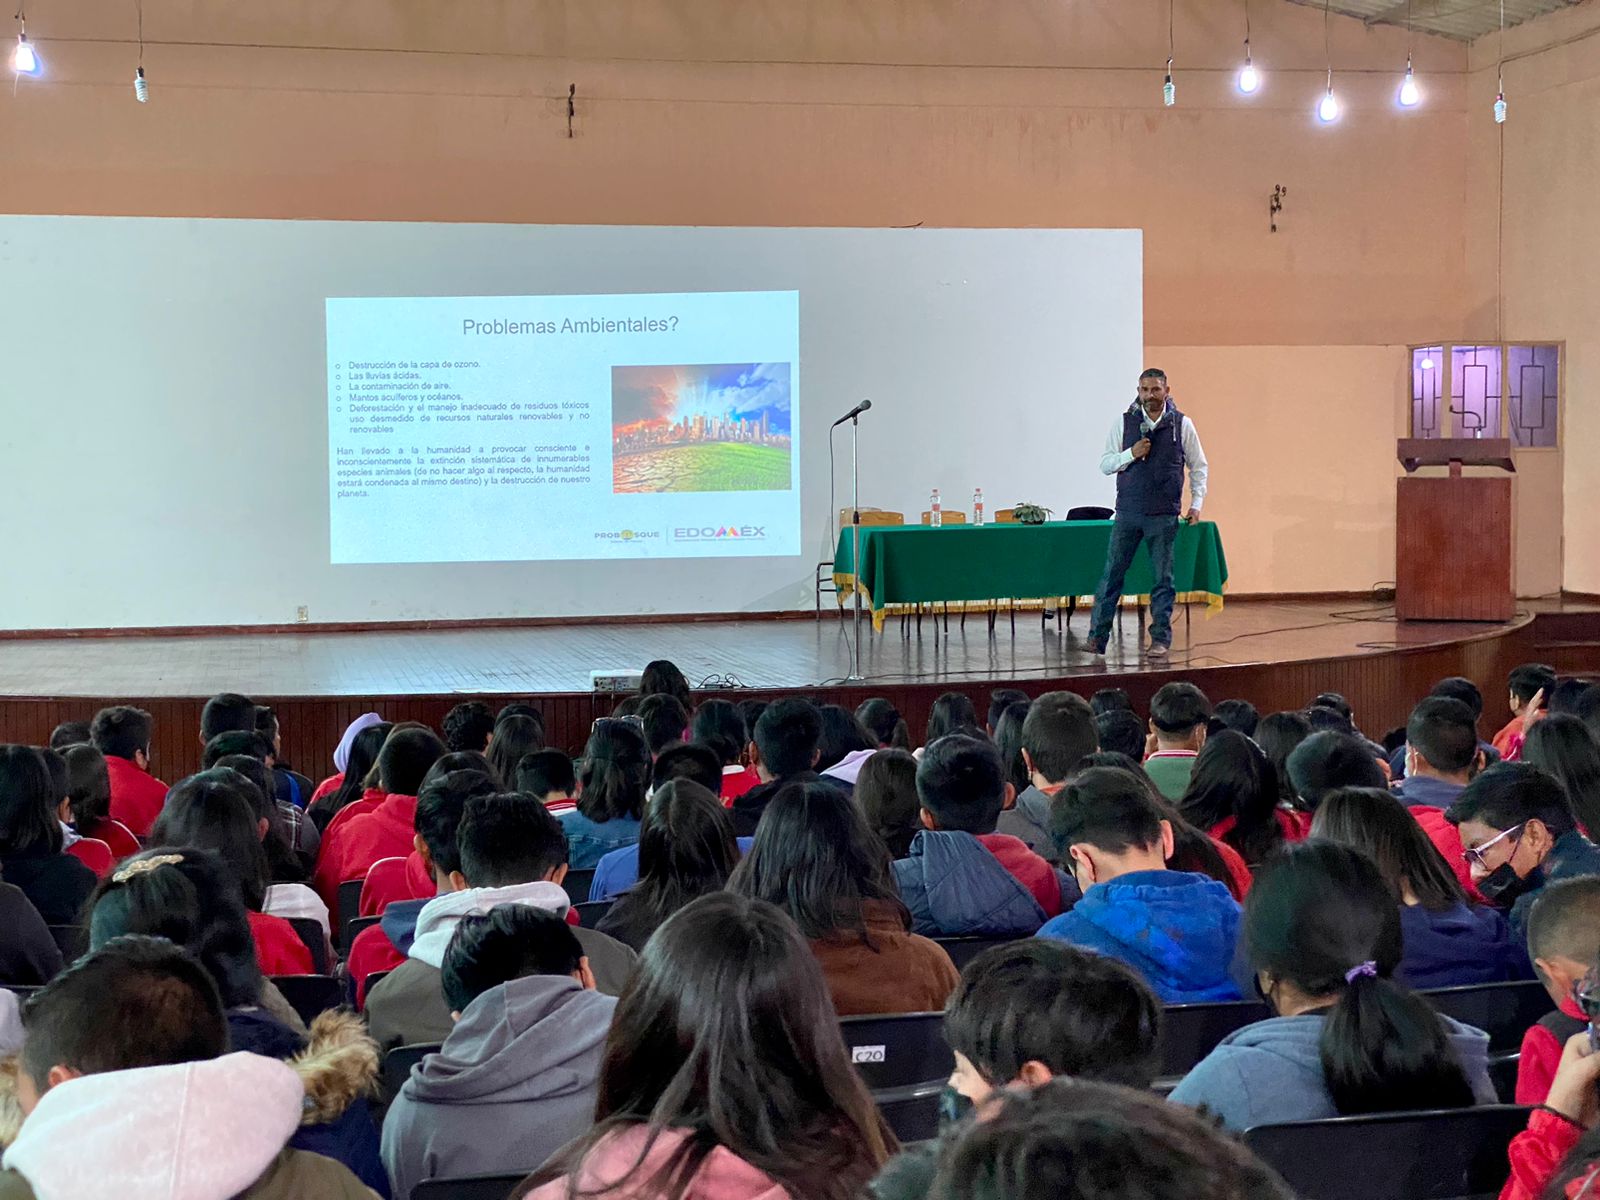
(853, 413)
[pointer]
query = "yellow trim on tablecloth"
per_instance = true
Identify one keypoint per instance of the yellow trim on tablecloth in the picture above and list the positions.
(845, 586)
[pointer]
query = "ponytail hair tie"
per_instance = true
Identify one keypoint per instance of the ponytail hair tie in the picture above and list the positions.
(1368, 969)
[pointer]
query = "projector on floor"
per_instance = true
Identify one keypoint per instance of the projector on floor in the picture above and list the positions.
(615, 680)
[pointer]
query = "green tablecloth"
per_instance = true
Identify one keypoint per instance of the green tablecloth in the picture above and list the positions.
(977, 565)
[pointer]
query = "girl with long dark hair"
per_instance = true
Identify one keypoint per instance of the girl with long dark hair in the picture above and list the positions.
(886, 791)
(724, 1074)
(1322, 936)
(884, 722)
(1562, 745)
(31, 842)
(1233, 796)
(362, 758)
(613, 777)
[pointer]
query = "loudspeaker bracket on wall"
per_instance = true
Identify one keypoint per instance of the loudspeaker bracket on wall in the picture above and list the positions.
(1275, 206)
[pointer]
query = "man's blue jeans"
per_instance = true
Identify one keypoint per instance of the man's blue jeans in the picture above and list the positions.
(1127, 531)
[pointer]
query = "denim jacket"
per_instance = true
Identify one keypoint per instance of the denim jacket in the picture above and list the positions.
(589, 841)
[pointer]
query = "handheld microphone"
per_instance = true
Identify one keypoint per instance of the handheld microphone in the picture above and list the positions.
(853, 413)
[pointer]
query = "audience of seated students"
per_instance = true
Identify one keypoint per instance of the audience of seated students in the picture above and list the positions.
(686, 850)
(31, 841)
(1278, 734)
(961, 878)
(883, 721)
(1175, 928)
(512, 851)
(1051, 1141)
(1564, 942)
(1058, 732)
(516, 1078)
(613, 778)
(844, 745)
(886, 793)
(950, 713)
(550, 775)
(440, 803)
(289, 786)
(1518, 834)
(513, 737)
(1192, 849)
(123, 734)
(1562, 746)
(1179, 718)
(1008, 741)
(662, 677)
(815, 858)
(1323, 936)
(1523, 684)
(468, 726)
(137, 1030)
(211, 811)
(91, 852)
(785, 743)
(717, 724)
(1238, 715)
(1122, 731)
(359, 836)
(618, 870)
(360, 759)
(189, 897)
(725, 1074)
(89, 800)
(1448, 942)
(1233, 796)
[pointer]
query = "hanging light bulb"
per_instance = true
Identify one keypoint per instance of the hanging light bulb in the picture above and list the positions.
(1410, 95)
(1500, 105)
(1249, 77)
(141, 89)
(1169, 91)
(26, 59)
(1328, 107)
(1426, 364)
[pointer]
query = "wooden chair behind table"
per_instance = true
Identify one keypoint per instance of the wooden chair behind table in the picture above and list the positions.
(869, 517)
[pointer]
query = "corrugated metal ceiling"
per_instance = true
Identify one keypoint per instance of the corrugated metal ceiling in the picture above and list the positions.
(1463, 19)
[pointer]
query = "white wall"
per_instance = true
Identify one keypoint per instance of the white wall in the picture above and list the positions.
(164, 397)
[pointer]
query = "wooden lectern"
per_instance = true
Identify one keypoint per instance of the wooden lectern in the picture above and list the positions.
(1453, 533)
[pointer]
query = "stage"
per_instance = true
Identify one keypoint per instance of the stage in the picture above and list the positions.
(1275, 653)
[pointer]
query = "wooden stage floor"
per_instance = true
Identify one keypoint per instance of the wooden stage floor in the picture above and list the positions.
(763, 654)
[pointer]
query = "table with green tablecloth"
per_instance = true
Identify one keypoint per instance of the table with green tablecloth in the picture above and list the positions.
(978, 567)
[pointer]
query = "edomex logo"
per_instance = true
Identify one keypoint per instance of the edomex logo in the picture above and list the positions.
(714, 533)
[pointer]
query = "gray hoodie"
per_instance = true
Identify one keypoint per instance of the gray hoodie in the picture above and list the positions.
(1271, 1072)
(1029, 820)
(514, 1082)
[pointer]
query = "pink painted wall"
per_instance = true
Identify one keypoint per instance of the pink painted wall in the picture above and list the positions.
(770, 112)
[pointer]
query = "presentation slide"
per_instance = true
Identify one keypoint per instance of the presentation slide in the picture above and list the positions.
(511, 428)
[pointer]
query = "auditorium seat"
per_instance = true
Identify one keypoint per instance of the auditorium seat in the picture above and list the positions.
(475, 1187)
(348, 904)
(1451, 1154)
(871, 516)
(359, 924)
(577, 885)
(1089, 512)
(309, 995)
(1505, 1011)
(898, 1050)
(71, 940)
(948, 516)
(913, 1113)
(590, 912)
(1189, 1032)
(309, 930)
(398, 1062)
(963, 950)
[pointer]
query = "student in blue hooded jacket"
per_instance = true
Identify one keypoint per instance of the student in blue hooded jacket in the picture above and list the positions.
(1175, 928)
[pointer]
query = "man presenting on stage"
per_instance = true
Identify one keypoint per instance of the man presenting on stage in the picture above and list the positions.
(1147, 450)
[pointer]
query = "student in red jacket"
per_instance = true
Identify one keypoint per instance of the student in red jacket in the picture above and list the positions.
(89, 801)
(91, 852)
(1563, 931)
(717, 724)
(351, 846)
(122, 733)
(1559, 1152)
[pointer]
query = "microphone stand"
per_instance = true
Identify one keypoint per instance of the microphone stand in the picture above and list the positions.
(855, 675)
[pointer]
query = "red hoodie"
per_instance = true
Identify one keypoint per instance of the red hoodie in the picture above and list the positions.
(94, 854)
(391, 879)
(1541, 1054)
(279, 949)
(136, 796)
(1537, 1154)
(1031, 871)
(370, 799)
(115, 835)
(349, 848)
(1447, 840)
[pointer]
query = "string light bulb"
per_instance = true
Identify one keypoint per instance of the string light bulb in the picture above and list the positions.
(25, 60)
(1426, 364)
(1410, 95)
(1249, 77)
(1169, 90)
(141, 89)
(1328, 106)
(1500, 70)
(1500, 105)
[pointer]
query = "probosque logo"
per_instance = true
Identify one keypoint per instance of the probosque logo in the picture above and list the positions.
(628, 535)
(712, 533)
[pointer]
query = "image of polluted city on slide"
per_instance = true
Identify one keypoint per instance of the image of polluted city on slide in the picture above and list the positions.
(563, 427)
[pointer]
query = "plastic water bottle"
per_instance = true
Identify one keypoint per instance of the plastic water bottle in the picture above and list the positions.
(935, 510)
(977, 506)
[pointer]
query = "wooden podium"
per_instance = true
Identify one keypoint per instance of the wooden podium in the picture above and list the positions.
(1453, 533)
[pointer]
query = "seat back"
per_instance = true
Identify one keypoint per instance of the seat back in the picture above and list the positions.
(71, 940)
(577, 885)
(590, 911)
(899, 1049)
(1505, 1011)
(348, 905)
(397, 1064)
(1005, 516)
(358, 925)
(1089, 512)
(474, 1187)
(1452, 1154)
(310, 931)
(310, 995)
(963, 950)
(872, 516)
(1189, 1032)
(913, 1112)
(948, 516)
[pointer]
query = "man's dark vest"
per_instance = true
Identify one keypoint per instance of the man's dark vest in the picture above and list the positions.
(1152, 486)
